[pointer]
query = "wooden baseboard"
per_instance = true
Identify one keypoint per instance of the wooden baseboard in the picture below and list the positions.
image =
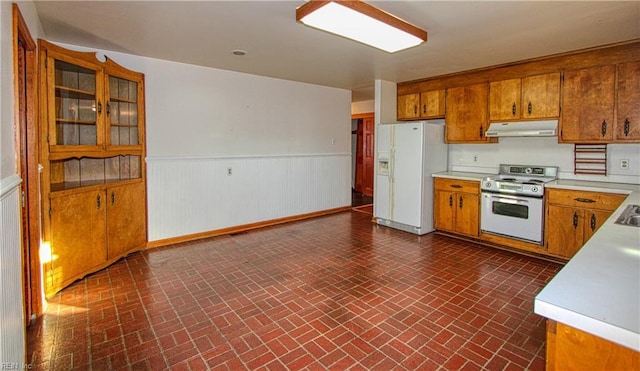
(515, 249)
(243, 228)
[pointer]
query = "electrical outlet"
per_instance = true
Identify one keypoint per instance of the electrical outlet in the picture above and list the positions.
(624, 164)
(229, 171)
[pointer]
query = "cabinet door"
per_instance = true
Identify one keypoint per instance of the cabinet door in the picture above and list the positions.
(75, 104)
(541, 96)
(564, 230)
(432, 104)
(467, 214)
(408, 106)
(126, 219)
(466, 117)
(77, 237)
(125, 110)
(504, 100)
(587, 105)
(628, 121)
(444, 211)
(592, 221)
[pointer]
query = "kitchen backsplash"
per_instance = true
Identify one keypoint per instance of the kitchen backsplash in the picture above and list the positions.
(485, 158)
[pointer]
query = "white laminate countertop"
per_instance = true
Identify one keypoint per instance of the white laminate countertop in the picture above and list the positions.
(598, 291)
(462, 175)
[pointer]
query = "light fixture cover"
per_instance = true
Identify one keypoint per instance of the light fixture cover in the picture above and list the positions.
(362, 22)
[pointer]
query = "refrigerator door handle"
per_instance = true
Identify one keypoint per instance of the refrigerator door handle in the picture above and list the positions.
(392, 163)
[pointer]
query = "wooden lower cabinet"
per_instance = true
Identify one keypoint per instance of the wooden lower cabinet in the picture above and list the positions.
(91, 229)
(457, 206)
(571, 349)
(573, 217)
(126, 223)
(78, 232)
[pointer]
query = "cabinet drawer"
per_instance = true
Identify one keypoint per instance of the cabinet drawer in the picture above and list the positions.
(466, 186)
(585, 199)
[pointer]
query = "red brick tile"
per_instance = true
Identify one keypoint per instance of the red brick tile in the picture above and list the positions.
(265, 300)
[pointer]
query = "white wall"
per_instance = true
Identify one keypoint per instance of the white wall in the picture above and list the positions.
(12, 322)
(288, 145)
(542, 151)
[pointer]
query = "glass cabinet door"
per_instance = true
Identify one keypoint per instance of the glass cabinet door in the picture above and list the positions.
(77, 107)
(123, 112)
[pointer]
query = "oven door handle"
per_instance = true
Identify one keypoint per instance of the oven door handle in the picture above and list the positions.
(509, 199)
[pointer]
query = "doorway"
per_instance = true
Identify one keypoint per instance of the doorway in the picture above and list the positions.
(24, 65)
(362, 141)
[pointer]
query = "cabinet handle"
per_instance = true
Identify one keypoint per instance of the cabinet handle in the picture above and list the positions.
(593, 222)
(626, 127)
(113, 198)
(530, 108)
(108, 108)
(98, 202)
(456, 186)
(575, 220)
(415, 110)
(587, 200)
(604, 127)
(480, 131)
(513, 108)
(461, 202)
(450, 200)
(424, 109)
(99, 107)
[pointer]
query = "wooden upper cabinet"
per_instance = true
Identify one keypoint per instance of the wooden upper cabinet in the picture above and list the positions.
(428, 104)
(504, 100)
(91, 105)
(588, 105)
(541, 96)
(532, 97)
(408, 106)
(124, 108)
(75, 102)
(432, 104)
(628, 117)
(467, 115)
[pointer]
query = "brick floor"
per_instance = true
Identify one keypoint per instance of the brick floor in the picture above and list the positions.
(334, 292)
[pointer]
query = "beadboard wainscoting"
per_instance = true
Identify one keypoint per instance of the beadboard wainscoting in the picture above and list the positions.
(12, 339)
(190, 195)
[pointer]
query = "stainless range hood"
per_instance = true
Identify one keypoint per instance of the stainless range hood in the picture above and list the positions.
(523, 129)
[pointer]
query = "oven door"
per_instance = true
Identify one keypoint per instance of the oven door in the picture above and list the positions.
(512, 216)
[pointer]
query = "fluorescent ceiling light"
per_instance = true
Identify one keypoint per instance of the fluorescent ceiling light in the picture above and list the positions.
(362, 22)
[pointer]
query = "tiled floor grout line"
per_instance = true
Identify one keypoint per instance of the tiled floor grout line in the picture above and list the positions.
(88, 326)
(146, 312)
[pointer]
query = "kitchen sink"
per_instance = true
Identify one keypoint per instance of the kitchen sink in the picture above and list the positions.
(630, 216)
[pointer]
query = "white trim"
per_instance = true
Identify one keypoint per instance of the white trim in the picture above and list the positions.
(8, 184)
(212, 157)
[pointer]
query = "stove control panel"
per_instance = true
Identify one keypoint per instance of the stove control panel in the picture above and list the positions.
(512, 186)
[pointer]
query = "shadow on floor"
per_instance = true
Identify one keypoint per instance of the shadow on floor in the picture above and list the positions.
(359, 199)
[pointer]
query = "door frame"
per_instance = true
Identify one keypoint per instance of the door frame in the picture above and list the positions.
(27, 154)
(360, 148)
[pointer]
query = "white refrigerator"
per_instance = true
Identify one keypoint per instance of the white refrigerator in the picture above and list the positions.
(407, 155)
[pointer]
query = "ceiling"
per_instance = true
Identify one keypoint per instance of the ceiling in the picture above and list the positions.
(463, 35)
